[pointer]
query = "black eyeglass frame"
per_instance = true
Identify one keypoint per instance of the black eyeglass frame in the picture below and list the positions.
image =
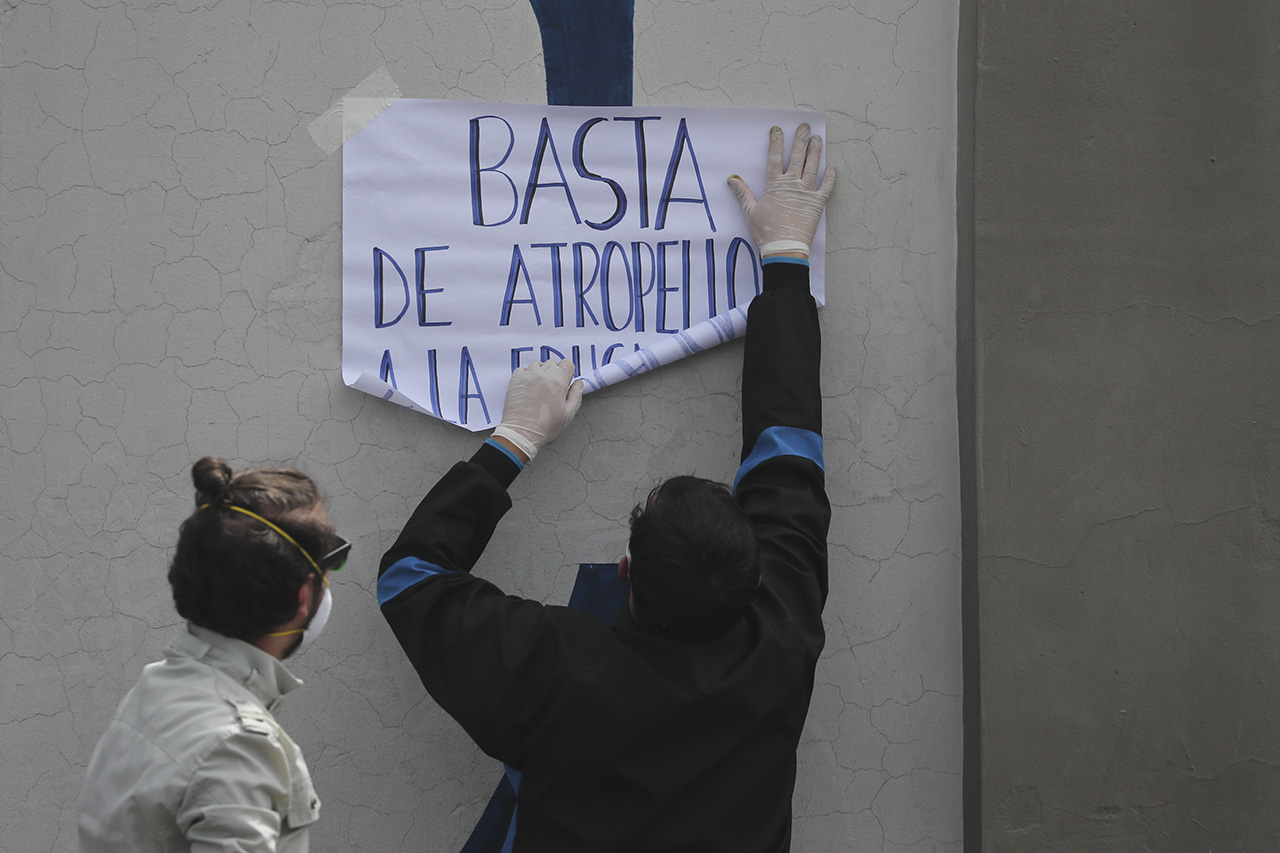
(337, 555)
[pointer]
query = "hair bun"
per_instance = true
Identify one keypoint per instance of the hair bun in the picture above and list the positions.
(212, 478)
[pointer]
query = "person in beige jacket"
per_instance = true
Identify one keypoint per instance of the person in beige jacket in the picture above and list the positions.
(194, 758)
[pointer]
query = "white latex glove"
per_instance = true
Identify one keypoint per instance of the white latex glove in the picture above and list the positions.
(541, 401)
(785, 218)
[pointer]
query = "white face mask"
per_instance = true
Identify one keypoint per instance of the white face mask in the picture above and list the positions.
(317, 623)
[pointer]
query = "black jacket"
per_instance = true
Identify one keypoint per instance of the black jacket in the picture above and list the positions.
(624, 740)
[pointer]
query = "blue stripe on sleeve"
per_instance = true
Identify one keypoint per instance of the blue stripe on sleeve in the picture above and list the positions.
(782, 441)
(505, 452)
(404, 574)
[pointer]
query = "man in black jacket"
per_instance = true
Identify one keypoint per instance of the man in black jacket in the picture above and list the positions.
(676, 729)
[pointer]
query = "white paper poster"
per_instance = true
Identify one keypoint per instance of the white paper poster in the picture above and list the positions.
(479, 237)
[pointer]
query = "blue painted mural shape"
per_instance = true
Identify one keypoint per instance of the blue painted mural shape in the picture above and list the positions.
(587, 48)
(598, 591)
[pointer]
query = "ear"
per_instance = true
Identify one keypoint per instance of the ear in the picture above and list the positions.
(624, 568)
(305, 593)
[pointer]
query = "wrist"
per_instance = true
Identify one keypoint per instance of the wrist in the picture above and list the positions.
(789, 248)
(501, 464)
(522, 450)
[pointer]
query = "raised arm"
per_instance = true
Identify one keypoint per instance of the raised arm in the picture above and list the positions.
(781, 481)
(453, 523)
(780, 373)
(472, 645)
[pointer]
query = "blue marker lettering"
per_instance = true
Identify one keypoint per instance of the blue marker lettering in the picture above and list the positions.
(660, 315)
(386, 372)
(540, 149)
(642, 164)
(467, 375)
(509, 296)
(378, 321)
(420, 267)
(606, 306)
(620, 197)
(515, 356)
(639, 291)
(433, 383)
(477, 206)
(731, 268)
(557, 293)
(580, 289)
(668, 185)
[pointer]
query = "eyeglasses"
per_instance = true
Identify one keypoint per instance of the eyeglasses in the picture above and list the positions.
(337, 558)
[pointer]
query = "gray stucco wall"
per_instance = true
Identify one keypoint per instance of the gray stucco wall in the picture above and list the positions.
(169, 270)
(1127, 415)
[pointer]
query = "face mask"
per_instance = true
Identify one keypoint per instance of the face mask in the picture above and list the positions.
(317, 623)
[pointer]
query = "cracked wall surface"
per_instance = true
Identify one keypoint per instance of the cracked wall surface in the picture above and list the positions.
(170, 274)
(1128, 334)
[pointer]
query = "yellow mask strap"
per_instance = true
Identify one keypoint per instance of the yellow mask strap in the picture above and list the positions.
(325, 580)
(274, 527)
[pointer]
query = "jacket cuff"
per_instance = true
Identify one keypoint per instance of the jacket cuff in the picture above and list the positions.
(498, 462)
(784, 276)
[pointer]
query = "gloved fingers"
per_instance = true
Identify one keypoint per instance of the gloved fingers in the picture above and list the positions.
(773, 167)
(828, 184)
(558, 375)
(565, 366)
(799, 146)
(573, 400)
(541, 400)
(812, 157)
(746, 198)
(532, 382)
(567, 371)
(547, 373)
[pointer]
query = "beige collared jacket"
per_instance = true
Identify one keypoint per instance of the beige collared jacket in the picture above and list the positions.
(194, 760)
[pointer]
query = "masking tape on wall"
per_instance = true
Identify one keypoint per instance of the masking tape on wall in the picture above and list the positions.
(354, 110)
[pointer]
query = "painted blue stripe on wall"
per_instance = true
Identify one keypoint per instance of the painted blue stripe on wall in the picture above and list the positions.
(494, 827)
(404, 574)
(597, 590)
(587, 46)
(513, 777)
(782, 441)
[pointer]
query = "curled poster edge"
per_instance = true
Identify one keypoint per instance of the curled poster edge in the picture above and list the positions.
(720, 329)
(372, 385)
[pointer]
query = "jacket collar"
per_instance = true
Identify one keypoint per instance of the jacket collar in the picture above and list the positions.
(260, 673)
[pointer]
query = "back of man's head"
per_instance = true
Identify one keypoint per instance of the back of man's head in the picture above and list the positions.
(695, 561)
(233, 574)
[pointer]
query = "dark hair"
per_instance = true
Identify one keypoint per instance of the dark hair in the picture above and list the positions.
(230, 572)
(695, 561)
